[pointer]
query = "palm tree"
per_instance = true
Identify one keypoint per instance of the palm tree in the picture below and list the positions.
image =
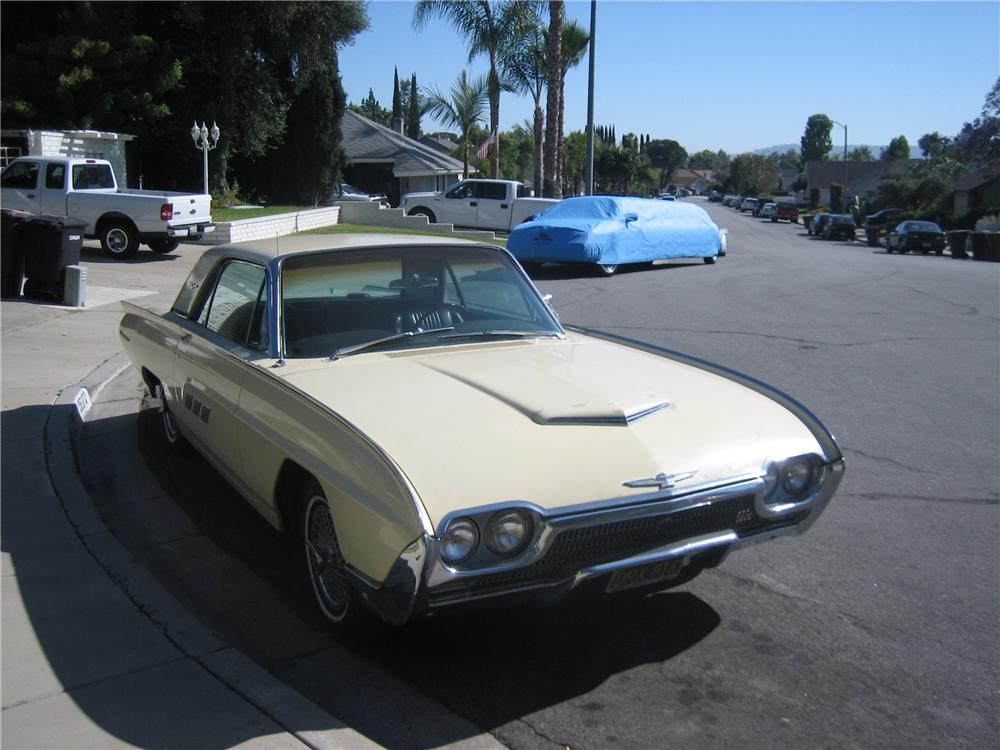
(489, 27)
(551, 186)
(524, 69)
(462, 110)
(573, 44)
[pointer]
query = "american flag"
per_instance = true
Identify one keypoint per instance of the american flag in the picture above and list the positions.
(481, 153)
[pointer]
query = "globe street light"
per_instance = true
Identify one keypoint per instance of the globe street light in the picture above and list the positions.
(843, 200)
(200, 137)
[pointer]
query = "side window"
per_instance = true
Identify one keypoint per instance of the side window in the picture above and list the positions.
(492, 191)
(21, 176)
(55, 176)
(461, 192)
(234, 309)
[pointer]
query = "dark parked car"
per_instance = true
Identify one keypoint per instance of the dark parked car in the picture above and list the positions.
(876, 222)
(715, 197)
(839, 227)
(918, 236)
(786, 210)
(818, 224)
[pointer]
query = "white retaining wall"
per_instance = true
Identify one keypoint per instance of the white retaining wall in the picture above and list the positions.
(276, 225)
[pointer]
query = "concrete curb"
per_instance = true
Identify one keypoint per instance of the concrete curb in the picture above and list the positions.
(256, 686)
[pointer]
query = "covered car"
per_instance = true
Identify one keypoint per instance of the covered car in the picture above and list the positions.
(609, 231)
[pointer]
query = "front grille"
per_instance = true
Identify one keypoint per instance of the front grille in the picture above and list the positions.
(577, 548)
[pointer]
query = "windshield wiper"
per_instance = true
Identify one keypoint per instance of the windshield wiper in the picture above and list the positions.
(355, 348)
(504, 334)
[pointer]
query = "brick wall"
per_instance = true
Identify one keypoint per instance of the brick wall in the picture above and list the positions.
(276, 225)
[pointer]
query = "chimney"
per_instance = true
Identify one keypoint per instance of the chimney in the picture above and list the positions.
(397, 124)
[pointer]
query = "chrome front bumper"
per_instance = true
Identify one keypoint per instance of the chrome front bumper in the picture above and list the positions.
(580, 544)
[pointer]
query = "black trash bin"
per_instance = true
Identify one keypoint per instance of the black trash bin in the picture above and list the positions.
(979, 243)
(956, 241)
(12, 251)
(871, 236)
(50, 243)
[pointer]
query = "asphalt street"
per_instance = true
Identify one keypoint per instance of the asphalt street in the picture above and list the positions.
(878, 628)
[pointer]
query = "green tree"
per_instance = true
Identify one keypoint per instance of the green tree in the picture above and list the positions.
(413, 120)
(898, 148)
(861, 153)
(551, 187)
(668, 156)
(704, 160)
(397, 102)
(816, 141)
(489, 29)
(753, 174)
(978, 142)
(524, 69)
(933, 144)
(573, 44)
(370, 108)
(463, 109)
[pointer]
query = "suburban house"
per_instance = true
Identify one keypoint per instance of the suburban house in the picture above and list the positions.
(83, 144)
(976, 190)
(695, 180)
(443, 142)
(384, 160)
(862, 177)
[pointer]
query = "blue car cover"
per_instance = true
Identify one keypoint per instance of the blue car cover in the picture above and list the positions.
(611, 230)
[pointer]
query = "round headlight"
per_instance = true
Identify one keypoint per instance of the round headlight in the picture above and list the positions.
(459, 540)
(508, 532)
(796, 475)
(771, 480)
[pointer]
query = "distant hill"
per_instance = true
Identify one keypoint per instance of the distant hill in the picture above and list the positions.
(836, 151)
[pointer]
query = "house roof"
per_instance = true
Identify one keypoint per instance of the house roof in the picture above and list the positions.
(367, 142)
(821, 174)
(974, 180)
(685, 177)
(440, 142)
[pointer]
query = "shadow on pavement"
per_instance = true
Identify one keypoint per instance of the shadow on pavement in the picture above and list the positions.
(430, 683)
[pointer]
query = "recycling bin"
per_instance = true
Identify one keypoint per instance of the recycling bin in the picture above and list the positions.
(50, 244)
(11, 251)
(956, 241)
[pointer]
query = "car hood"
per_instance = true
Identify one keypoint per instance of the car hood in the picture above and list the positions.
(553, 422)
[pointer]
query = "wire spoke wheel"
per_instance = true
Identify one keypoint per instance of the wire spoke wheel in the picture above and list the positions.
(325, 562)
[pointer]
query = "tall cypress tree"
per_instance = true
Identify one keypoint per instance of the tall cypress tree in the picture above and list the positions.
(413, 121)
(397, 107)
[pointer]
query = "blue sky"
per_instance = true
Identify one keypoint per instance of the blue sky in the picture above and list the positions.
(736, 76)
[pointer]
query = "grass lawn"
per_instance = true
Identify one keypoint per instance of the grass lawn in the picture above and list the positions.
(359, 229)
(235, 214)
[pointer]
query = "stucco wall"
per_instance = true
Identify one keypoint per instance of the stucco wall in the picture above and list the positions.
(277, 225)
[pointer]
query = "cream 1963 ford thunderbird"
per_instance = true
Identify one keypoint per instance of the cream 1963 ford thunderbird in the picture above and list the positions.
(412, 411)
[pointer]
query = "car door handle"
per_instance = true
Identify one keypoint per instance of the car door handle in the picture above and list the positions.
(473, 203)
(32, 196)
(503, 205)
(185, 337)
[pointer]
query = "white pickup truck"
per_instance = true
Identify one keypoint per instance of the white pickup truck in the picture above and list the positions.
(86, 190)
(478, 203)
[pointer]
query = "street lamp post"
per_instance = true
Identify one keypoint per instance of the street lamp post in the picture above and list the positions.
(200, 136)
(843, 199)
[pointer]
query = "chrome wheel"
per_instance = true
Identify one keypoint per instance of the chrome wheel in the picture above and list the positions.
(119, 240)
(608, 269)
(325, 563)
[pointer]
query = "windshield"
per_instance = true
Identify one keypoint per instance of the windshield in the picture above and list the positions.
(332, 302)
(922, 226)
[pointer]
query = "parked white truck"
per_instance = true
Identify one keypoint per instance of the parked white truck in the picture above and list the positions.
(479, 203)
(86, 190)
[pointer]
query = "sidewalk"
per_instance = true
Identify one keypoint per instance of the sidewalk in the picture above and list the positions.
(95, 653)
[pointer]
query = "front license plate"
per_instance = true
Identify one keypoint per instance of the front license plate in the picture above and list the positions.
(644, 574)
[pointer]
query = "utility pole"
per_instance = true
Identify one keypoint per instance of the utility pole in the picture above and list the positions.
(590, 102)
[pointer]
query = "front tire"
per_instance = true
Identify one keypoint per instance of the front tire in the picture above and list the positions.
(119, 239)
(608, 269)
(163, 245)
(338, 602)
(424, 212)
(709, 260)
